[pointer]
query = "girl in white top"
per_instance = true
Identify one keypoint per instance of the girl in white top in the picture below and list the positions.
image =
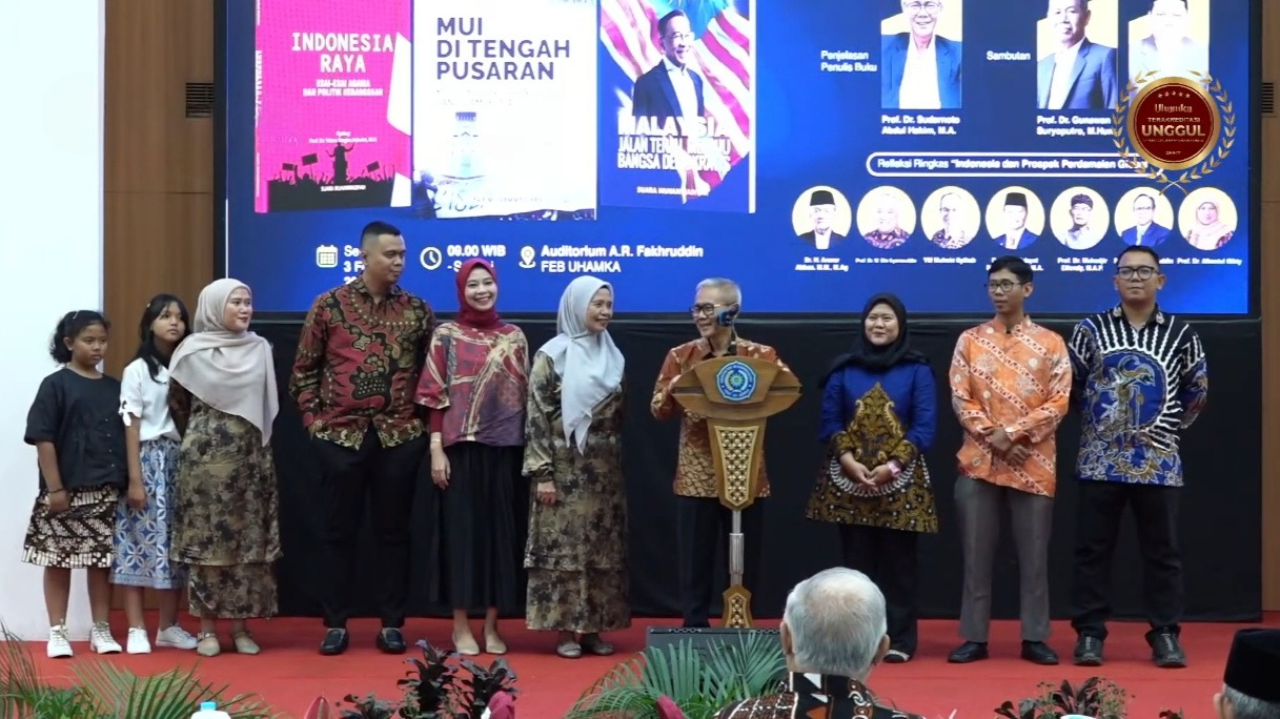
(145, 515)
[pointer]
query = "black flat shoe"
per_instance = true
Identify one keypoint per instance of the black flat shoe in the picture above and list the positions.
(1039, 653)
(335, 642)
(391, 641)
(969, 652)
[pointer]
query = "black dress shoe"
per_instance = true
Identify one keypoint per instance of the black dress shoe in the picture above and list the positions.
(1166, 651)
(1039, 653)
(969, 652)
(1088, 651)
(391, 641)
(335, 642)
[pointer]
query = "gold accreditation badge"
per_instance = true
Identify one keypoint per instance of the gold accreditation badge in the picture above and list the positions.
(1174, 130)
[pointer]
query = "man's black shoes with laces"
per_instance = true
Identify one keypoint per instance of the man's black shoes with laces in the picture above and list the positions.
(1088, 651)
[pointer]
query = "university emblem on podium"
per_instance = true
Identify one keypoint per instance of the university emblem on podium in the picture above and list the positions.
(736, 381)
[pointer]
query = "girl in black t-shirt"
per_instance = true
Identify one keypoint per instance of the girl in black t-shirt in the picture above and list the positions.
(78, 434)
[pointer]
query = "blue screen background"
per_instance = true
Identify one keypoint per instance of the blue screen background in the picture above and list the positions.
(812, 128)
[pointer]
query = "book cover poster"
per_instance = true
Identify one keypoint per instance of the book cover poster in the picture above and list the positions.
(678, 104)
(504, 109)
(333, 104)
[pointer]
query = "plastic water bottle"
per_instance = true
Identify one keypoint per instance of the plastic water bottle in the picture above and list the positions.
(209, 710)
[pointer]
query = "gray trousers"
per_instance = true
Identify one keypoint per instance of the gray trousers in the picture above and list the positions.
(980, 507)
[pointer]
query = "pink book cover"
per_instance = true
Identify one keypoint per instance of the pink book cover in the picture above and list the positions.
(333, 105)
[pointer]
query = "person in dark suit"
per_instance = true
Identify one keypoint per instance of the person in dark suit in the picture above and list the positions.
(822, 210)
(1079, 75)
(671, 88)
(1145, 232)
(920, 70)
(1016, 235)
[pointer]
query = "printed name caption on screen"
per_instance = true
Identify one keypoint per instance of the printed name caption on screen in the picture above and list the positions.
(1083, 264)
(845, 61)
(997, 164)
(822, 264)
(902, 124)
(579, 259)
(1073, 126)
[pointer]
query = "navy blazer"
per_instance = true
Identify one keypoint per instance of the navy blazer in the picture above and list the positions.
(1155, 235)
(1023, 242)
(893, 62)
(1094, 82)
(655, 96)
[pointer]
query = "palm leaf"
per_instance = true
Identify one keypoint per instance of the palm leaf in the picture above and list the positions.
(700, 684)
(174, 694)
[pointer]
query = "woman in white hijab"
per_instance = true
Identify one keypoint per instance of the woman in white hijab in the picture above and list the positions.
(577, 549)
(222, 392)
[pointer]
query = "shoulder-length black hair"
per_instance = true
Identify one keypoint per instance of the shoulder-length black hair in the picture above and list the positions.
(147, 350)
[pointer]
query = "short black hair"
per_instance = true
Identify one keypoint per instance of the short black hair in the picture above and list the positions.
(376, 229)
(1139, 248)
(147, 350)
(665, 21)
(1014, 264)
(69, 328)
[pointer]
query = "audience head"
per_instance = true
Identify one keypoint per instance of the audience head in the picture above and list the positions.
(835, 624)
(1251, 682)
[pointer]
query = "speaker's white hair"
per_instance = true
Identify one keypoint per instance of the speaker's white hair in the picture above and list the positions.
(837, 622)
(731, 290)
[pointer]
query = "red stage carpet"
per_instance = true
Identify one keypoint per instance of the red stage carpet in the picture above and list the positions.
(290, 674)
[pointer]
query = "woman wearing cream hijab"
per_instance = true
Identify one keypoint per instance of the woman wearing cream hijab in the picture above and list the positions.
(1209, 232)
(577, 550)
(222, 391)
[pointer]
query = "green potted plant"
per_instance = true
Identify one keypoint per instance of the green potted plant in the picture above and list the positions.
(105, 691)
(700, 684)
(436, 688)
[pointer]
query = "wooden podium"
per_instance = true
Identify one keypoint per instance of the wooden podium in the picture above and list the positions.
(736, 395)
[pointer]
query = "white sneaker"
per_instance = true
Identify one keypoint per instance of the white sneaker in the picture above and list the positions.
(59, 646)
(137, 643)
(175, 637)
(101, 641)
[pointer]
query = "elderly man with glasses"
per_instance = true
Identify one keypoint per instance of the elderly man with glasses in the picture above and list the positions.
(1140, 380)
(702, 523)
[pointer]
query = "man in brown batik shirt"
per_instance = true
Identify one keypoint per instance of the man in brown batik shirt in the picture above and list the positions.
(354, 377)
(702, 522)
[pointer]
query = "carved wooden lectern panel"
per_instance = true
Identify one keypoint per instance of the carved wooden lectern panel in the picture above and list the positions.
(736, 396)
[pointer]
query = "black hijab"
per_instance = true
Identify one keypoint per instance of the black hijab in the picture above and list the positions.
(872, 357)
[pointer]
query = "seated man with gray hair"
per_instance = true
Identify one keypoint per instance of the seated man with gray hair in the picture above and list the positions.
(1251, 682)
(833, 632)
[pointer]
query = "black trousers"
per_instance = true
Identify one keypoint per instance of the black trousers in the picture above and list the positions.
(1155, 512)
(888, 557)
(386, 478)
(702, 528)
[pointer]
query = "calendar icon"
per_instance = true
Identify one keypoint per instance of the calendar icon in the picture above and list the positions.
(327, 256)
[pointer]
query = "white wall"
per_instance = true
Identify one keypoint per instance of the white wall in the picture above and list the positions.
(51, 242)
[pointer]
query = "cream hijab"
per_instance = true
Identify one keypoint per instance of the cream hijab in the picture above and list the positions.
(233, 372)
(588, 363)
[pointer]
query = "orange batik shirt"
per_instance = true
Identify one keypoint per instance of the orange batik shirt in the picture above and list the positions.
(695, 470)
(1018, 379)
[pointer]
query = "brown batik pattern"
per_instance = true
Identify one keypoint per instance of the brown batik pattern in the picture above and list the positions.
(79, 538)
(811, 696)
(695, 468)
(875, 436)
(225, 526)
(577, 548)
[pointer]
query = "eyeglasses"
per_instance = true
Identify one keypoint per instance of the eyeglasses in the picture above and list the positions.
(705, 310)
(1144, 272)
(930, 7)
(1002, 286)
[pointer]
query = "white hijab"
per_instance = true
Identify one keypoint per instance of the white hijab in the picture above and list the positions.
(588, 363)
(233, 372)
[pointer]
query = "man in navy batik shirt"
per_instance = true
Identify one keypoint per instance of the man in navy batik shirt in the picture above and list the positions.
(1140, 380)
